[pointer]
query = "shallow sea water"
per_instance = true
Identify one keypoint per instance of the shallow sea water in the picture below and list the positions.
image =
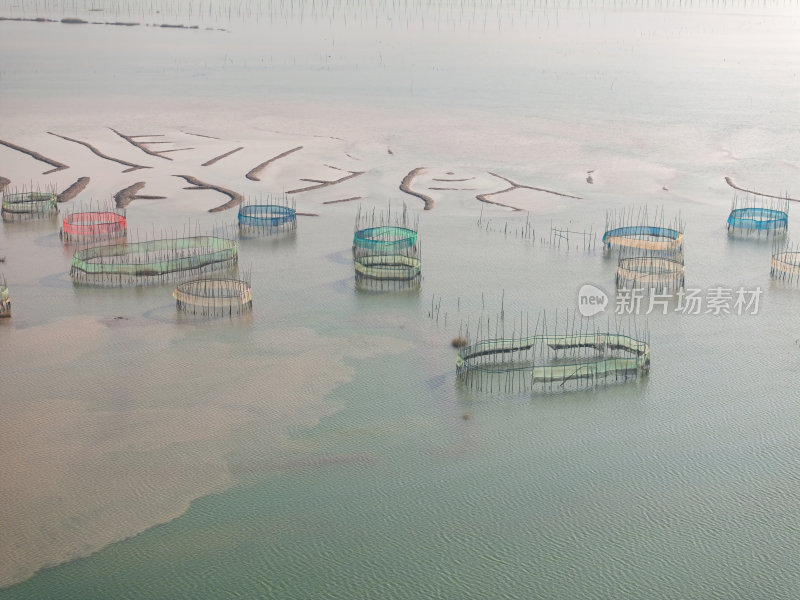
(317, 448)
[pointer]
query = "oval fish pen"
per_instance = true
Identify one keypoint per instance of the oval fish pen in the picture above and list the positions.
(266, 219)
(5, 300)
(214, 297)
(660, 273)
(758, 219)
(152, 262)
(644, 237)
(785, 263)
(389, 271)
(384, 239)
(95, 225)
(29, 205)
(554, 362)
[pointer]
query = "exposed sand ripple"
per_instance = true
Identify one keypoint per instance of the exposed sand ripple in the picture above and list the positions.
(131, 139)
(530, 187)
(58, 166)
(235, 197)
(405, 186)
(211, 137)
(516, 186)
(73, 190)
(220, 157)
(133, 167)
(343, 200)
(730, 182)
(3, 183)
(252, 174)
(125, 196)
(323, 184)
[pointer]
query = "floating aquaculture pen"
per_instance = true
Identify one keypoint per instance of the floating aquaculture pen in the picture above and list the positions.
(20, 206)
(386, 251)
(755, 213)
(634, 228)
(5, 299)
(94, 225)
(662, 272)
(152, 262)
(213, 297)
(785, 262)
(267, 219)
(578, 357)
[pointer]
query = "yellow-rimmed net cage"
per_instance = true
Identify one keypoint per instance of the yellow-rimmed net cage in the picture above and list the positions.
(211, 297)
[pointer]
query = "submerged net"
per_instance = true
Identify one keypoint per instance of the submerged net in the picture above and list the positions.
(155, 261)
(29, 205)
(94, 225)
(392, 270)
(214, 297)
(660, 272)
(567, 361)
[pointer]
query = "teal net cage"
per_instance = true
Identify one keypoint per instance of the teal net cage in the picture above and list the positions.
(267, 219)
(153, 261)
(757, 214)
(562, 359)
(640, 229)
(386, 253)
(17, 206)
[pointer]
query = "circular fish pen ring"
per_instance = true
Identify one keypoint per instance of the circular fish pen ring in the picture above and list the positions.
(94, 225)
(650, 270)
(385, 238)
(155, 261)
(645, 237)
(30, 204)
(758, 219)
(210, 296)
(785, 265)
(267, 217)
(388, 267)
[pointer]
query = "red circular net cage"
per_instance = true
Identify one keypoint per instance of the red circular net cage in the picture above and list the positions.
(102, 224)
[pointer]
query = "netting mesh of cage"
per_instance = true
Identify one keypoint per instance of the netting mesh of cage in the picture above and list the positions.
(212, 296)
(94, 225)
(643, 229)
(577, 355)
(152, 261)
(276, 216)
(386, 251)
(29, 205)
(754, 213)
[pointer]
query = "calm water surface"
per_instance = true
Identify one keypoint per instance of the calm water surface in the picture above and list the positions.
(318, 447)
